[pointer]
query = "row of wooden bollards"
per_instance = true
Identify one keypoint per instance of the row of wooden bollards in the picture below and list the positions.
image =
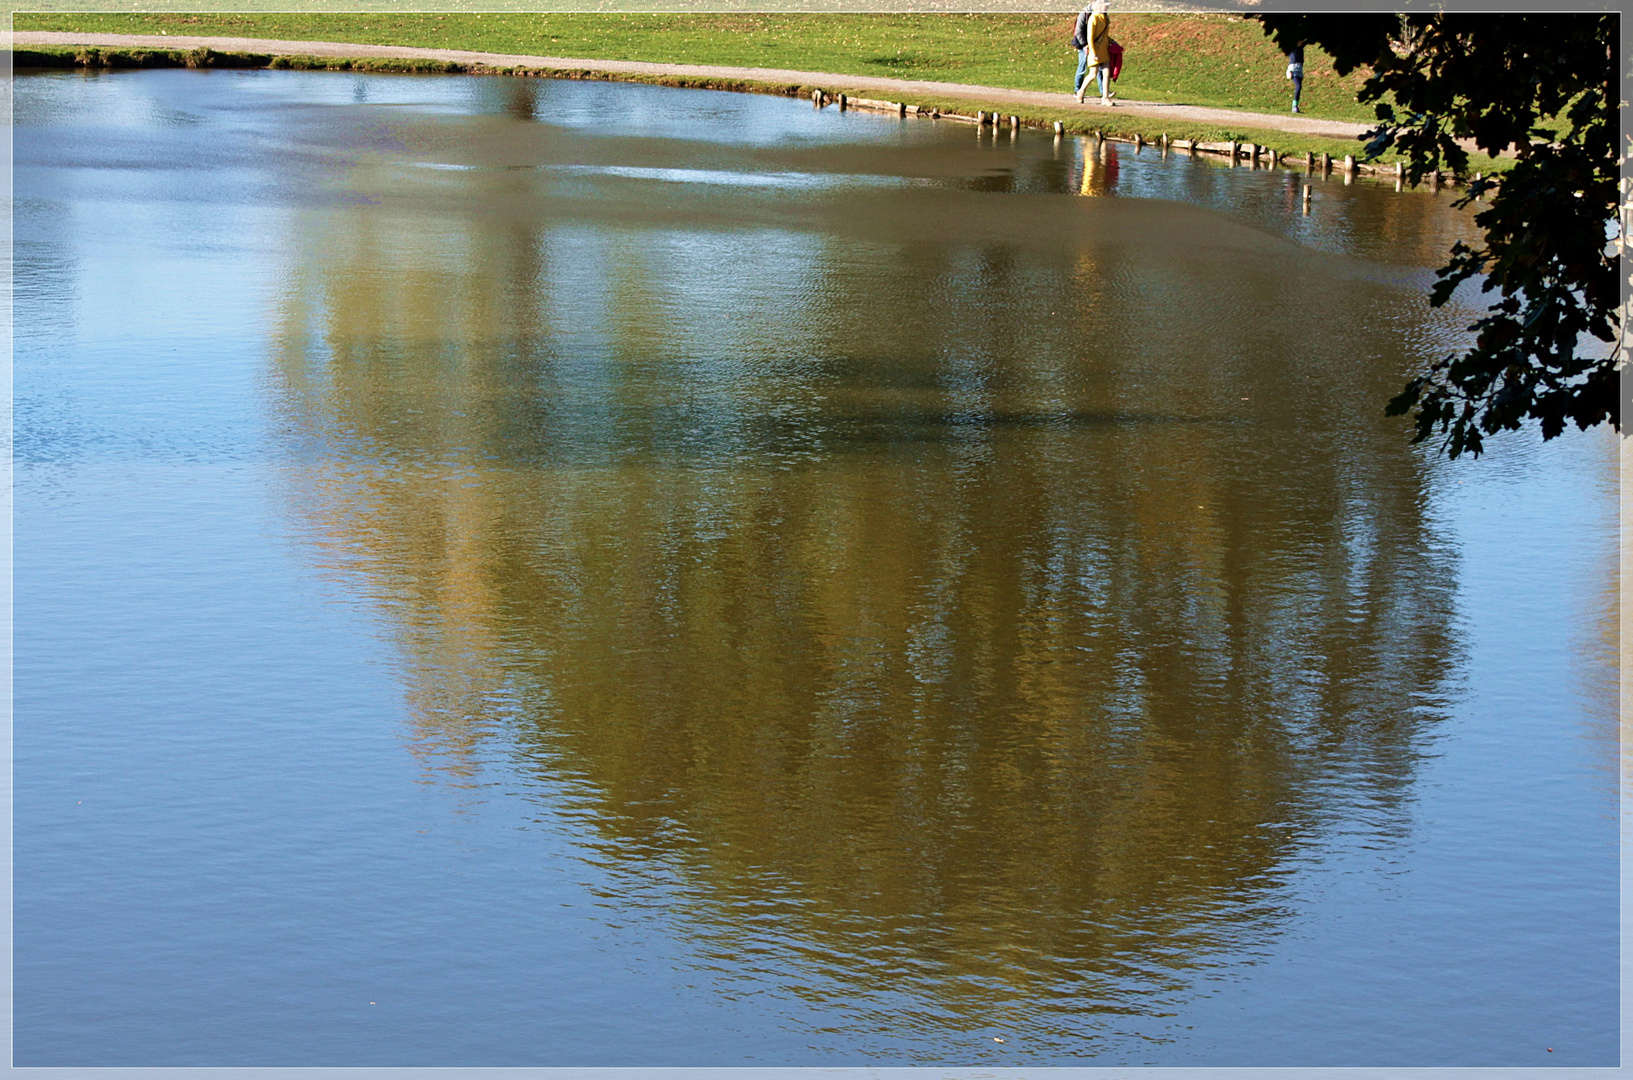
(1254, 153)
(982, 119)
(820, 98)
(1312, 161)
(1234, 150)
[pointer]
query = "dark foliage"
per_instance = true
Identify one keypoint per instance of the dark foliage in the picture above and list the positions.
(1547, 348)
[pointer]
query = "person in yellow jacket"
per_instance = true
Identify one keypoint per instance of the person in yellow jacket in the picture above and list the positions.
(1093, 39)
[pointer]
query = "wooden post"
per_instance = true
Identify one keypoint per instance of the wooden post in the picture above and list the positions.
(1349, 163)
(842, 102)
(1400, 173)
(1306, 198)
(1060, 129)
(1326, 163)
(1139, 142)
(901, 108)
(1235, 148)
(816, 98)
(1434, 180)
(1014, 122)
(1165, 140)
(1099, 136)
(1253, 150)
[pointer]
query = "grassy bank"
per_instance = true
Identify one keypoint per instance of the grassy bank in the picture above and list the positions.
(1222, 61)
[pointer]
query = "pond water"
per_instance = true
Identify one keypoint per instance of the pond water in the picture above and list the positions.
(542, 573)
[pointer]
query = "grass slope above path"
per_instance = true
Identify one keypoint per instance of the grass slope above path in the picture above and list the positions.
(1222, 61)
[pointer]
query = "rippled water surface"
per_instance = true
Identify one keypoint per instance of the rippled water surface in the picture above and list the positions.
(515, 572)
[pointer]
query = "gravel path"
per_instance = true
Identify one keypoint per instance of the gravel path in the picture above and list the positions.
(1301, 125)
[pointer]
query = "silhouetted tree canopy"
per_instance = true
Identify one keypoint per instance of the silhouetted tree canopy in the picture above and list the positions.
(1548, 349)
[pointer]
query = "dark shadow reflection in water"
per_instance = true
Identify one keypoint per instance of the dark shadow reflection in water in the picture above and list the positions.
(965, 608)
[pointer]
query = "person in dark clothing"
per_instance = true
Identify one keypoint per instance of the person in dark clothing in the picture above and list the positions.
(1295, 71)
(1080, 42)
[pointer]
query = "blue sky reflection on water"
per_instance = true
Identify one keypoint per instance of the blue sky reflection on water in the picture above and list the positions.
(540, 612)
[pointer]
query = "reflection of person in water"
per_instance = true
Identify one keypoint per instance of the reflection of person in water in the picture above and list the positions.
(1293, 192)
(1099, 170)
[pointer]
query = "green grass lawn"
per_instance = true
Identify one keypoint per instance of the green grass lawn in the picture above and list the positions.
(1205, 59)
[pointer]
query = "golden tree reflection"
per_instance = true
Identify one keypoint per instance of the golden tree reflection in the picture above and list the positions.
(932, 641)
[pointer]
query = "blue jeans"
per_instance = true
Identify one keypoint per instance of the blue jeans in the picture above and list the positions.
(1082, 70)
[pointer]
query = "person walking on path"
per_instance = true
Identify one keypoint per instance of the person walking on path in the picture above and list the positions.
(1295, 71)
(1093, 40)
(1080, 42)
